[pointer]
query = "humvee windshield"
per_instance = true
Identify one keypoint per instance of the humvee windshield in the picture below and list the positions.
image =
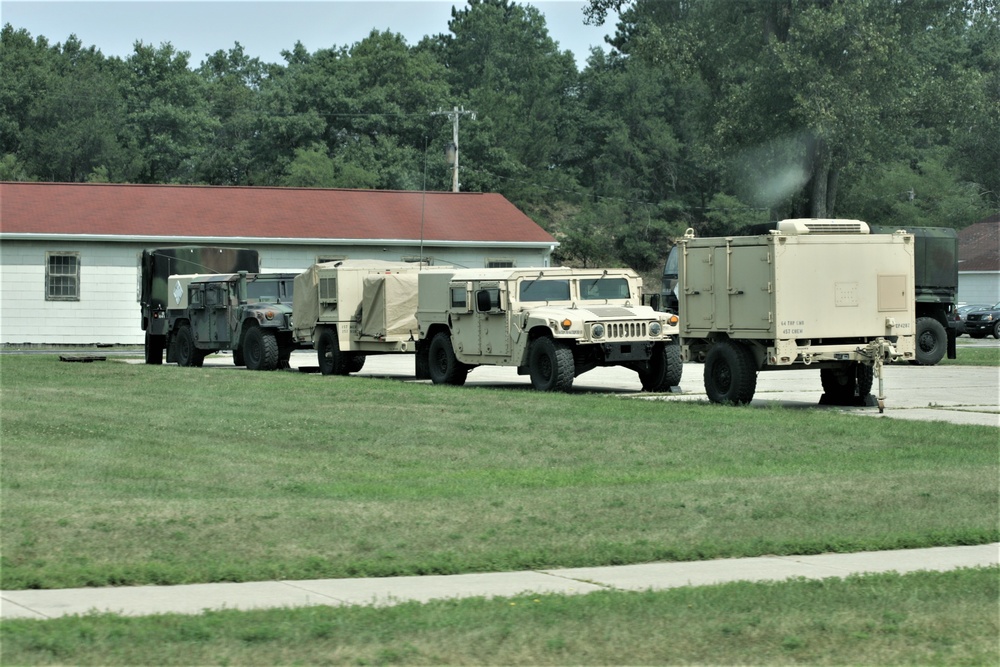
(544, 290)
(603, 288)
(268, 290)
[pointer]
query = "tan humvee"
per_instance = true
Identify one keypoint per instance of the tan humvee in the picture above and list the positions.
(820, 293)
(552, 324)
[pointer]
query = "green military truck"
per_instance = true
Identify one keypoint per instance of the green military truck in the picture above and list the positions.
(247, 313)
(552, 324)
(823, 294)
(156, 265)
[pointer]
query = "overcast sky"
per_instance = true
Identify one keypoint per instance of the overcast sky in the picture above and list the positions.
(266, 28)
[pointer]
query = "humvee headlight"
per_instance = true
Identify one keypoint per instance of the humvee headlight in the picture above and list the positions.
(597, 331)
(655, 328)
(566, 324)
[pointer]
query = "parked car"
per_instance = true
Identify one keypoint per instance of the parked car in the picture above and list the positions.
(956, 320)
(979, 323)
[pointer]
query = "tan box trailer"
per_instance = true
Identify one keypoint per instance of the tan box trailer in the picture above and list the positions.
(811, 293)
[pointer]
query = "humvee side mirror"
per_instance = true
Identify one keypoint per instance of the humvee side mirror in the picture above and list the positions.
(483, 303)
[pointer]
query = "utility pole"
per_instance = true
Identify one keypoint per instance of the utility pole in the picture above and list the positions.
(454, 115)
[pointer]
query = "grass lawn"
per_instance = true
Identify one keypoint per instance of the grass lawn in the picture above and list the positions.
(946, 618)
(970, 355)
(131, 474)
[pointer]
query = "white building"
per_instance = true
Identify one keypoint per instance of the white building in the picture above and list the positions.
(68, 252)
(979, 262)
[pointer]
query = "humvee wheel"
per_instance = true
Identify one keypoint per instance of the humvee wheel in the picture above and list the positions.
(154, 349)
(551, 365)
(843, 385)
(931, 341)
(355, 362)
(730, 373)
(260, 349)
(331, 360)
(445, 368)
(187, 353)
(664, 369)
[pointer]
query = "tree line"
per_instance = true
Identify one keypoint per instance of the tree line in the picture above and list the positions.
(708, 114)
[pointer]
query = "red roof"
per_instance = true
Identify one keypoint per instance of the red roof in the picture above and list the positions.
(979, 246)
(70, 209)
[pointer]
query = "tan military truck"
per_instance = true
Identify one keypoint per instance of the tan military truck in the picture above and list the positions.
(824, 294)
(352, 308)
(552, 324)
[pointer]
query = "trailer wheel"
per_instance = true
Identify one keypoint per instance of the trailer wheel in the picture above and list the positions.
(445, 367)
(331, 360)
(730, 373)
(931, 343)
(260, 349)
(187, 353)
(844, 385)
(664, 368)
(154, 348)
(551, 365)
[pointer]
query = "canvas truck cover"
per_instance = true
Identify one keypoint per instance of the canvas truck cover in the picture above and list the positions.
(305, 305)
(389, 307)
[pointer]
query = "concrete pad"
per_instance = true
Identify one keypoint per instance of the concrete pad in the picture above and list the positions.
(387, 591)
(906, 560)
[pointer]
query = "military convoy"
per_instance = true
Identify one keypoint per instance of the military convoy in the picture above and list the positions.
(824, 294)
(552, 324)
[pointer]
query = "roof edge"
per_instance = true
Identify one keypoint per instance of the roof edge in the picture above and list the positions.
(206, 240)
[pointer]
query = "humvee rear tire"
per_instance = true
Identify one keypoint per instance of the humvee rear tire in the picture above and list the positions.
(730, 373)
(331, 360)
(187, 353)
(550, 365)
(154, 348)
(843, 386)
(260, 349)
(664, 369)
(931, 341)
(445, 367)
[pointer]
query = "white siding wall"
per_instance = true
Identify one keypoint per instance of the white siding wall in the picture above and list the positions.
(108, 312)
(979, 287)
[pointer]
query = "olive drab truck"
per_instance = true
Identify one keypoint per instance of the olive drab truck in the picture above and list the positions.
(158, 264)
(552, 324)
(349, 309)
(247, 313)
(822, 294)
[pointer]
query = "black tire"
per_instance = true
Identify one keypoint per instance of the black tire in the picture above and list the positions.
(931, 341)
(187, 353)
(550, 365)
(331, 360)
(996, 330)
(445, 368)
(847, 384)
(664, 368)
(154, 349)
(238, 357)
(260, 349)
(355, 362)
(978, 334)
(730, 373)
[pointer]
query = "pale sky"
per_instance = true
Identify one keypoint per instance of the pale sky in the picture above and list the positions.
(267, 28)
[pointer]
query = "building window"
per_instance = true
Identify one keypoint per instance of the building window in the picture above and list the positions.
(62, 276)
(499, 263)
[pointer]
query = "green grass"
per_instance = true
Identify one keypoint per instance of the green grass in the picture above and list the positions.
(131, 474)
(946, 618)
(969, 355)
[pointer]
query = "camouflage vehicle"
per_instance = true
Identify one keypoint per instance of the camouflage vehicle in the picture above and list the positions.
(158, 264)
(248, 313)
(824, 294)
(552, 324)
(935, 291)
(349, 309)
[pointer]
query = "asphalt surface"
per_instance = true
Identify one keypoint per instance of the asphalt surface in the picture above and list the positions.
(198, 598)
(953, 394)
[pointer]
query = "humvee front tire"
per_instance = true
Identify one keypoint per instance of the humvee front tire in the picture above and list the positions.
(445, 367)
(730, 373)
(550, 365)
(260, 349)
(187, 353)
(664, 368)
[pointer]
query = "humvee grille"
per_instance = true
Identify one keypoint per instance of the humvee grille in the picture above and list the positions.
(625, 330)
